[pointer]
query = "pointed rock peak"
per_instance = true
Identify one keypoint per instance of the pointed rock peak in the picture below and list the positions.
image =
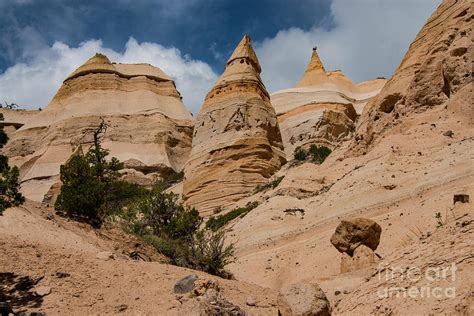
(315, 72)
(245, 50)
(98, 58)
(95, 64)
(315, 62)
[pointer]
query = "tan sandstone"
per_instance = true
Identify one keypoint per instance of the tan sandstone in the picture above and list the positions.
(322, 108)
(150, 129)
(236, 143)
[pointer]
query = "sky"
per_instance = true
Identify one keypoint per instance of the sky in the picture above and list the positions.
(42, 41)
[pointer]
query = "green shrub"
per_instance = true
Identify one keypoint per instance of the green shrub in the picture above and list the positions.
(173, 230)
(165, 217)
(214, 223)
(171, 179)
(276, 182)
(82, 193)
(319, 153)
(9, 187)
(9, 179)
(210, 254)
(272, 184)
(90, 188)
(300, 154)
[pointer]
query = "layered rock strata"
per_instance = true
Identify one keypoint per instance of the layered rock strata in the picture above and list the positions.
(322, 108)
(435, 72)
(236, 143)
(150, 128)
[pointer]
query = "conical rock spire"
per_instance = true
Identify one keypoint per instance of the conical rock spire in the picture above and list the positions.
(237, 142)
(242, 66)
(315, 72)
(245, 50)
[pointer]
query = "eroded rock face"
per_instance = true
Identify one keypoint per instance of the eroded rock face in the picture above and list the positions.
(322, 108)
(303, 299)
(352, 233)
(363, 257)
(236, 143)
(150, 129)
(435, 72)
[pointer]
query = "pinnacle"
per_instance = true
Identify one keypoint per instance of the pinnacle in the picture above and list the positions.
(245, 50)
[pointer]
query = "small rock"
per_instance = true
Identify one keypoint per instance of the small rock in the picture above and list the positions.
(337, 292)
(448, 133)
(362, 258)
(42, 290)
(186, 284)
(61, 275)
(250, 301)
(105, 255)
(303, 299)
(463, 198)
(121, 307)
(50, 216)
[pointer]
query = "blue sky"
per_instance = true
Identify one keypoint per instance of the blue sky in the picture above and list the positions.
(42, 41)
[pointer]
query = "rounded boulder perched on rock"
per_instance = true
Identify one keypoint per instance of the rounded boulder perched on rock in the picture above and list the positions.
(352, 233)
(303, 299)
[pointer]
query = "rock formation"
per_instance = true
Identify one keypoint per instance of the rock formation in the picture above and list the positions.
(236, 143)
(14, 119)
(350, 234)
(357, 240)
(150, 129)
(303, 299)
(435, 72)
(322, 108)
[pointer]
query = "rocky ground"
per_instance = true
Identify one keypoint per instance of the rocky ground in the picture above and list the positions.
(58, 267)
(408, 167)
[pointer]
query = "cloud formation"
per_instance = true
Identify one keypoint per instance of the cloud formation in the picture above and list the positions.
(33, 83)
(369, 39)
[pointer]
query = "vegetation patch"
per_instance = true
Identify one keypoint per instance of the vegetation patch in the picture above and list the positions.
(9, 179)
(93, 193)
(316, 154)
(270, 185)
(215, 223)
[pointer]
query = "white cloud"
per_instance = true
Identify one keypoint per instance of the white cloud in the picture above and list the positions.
(369, 39)
(33, 83)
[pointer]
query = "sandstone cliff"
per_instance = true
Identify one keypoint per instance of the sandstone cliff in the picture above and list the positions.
(411, 170)
(150, 127)
(435, 72)
(236, 143)
(322, 108)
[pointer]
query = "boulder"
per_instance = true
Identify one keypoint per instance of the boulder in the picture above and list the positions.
(352, 233)
(186, 284)
(363, 257)
(303, 299)
(42, 290)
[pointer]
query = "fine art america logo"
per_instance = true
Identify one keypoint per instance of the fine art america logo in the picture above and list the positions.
(430, 280)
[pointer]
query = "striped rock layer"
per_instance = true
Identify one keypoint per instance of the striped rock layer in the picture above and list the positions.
(236, 143)
(150, 128)
(322, 108)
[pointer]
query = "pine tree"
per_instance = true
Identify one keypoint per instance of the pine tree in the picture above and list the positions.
(9, 178)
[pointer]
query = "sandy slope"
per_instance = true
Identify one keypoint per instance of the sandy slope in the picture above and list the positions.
(32, 246)
(411, 174)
